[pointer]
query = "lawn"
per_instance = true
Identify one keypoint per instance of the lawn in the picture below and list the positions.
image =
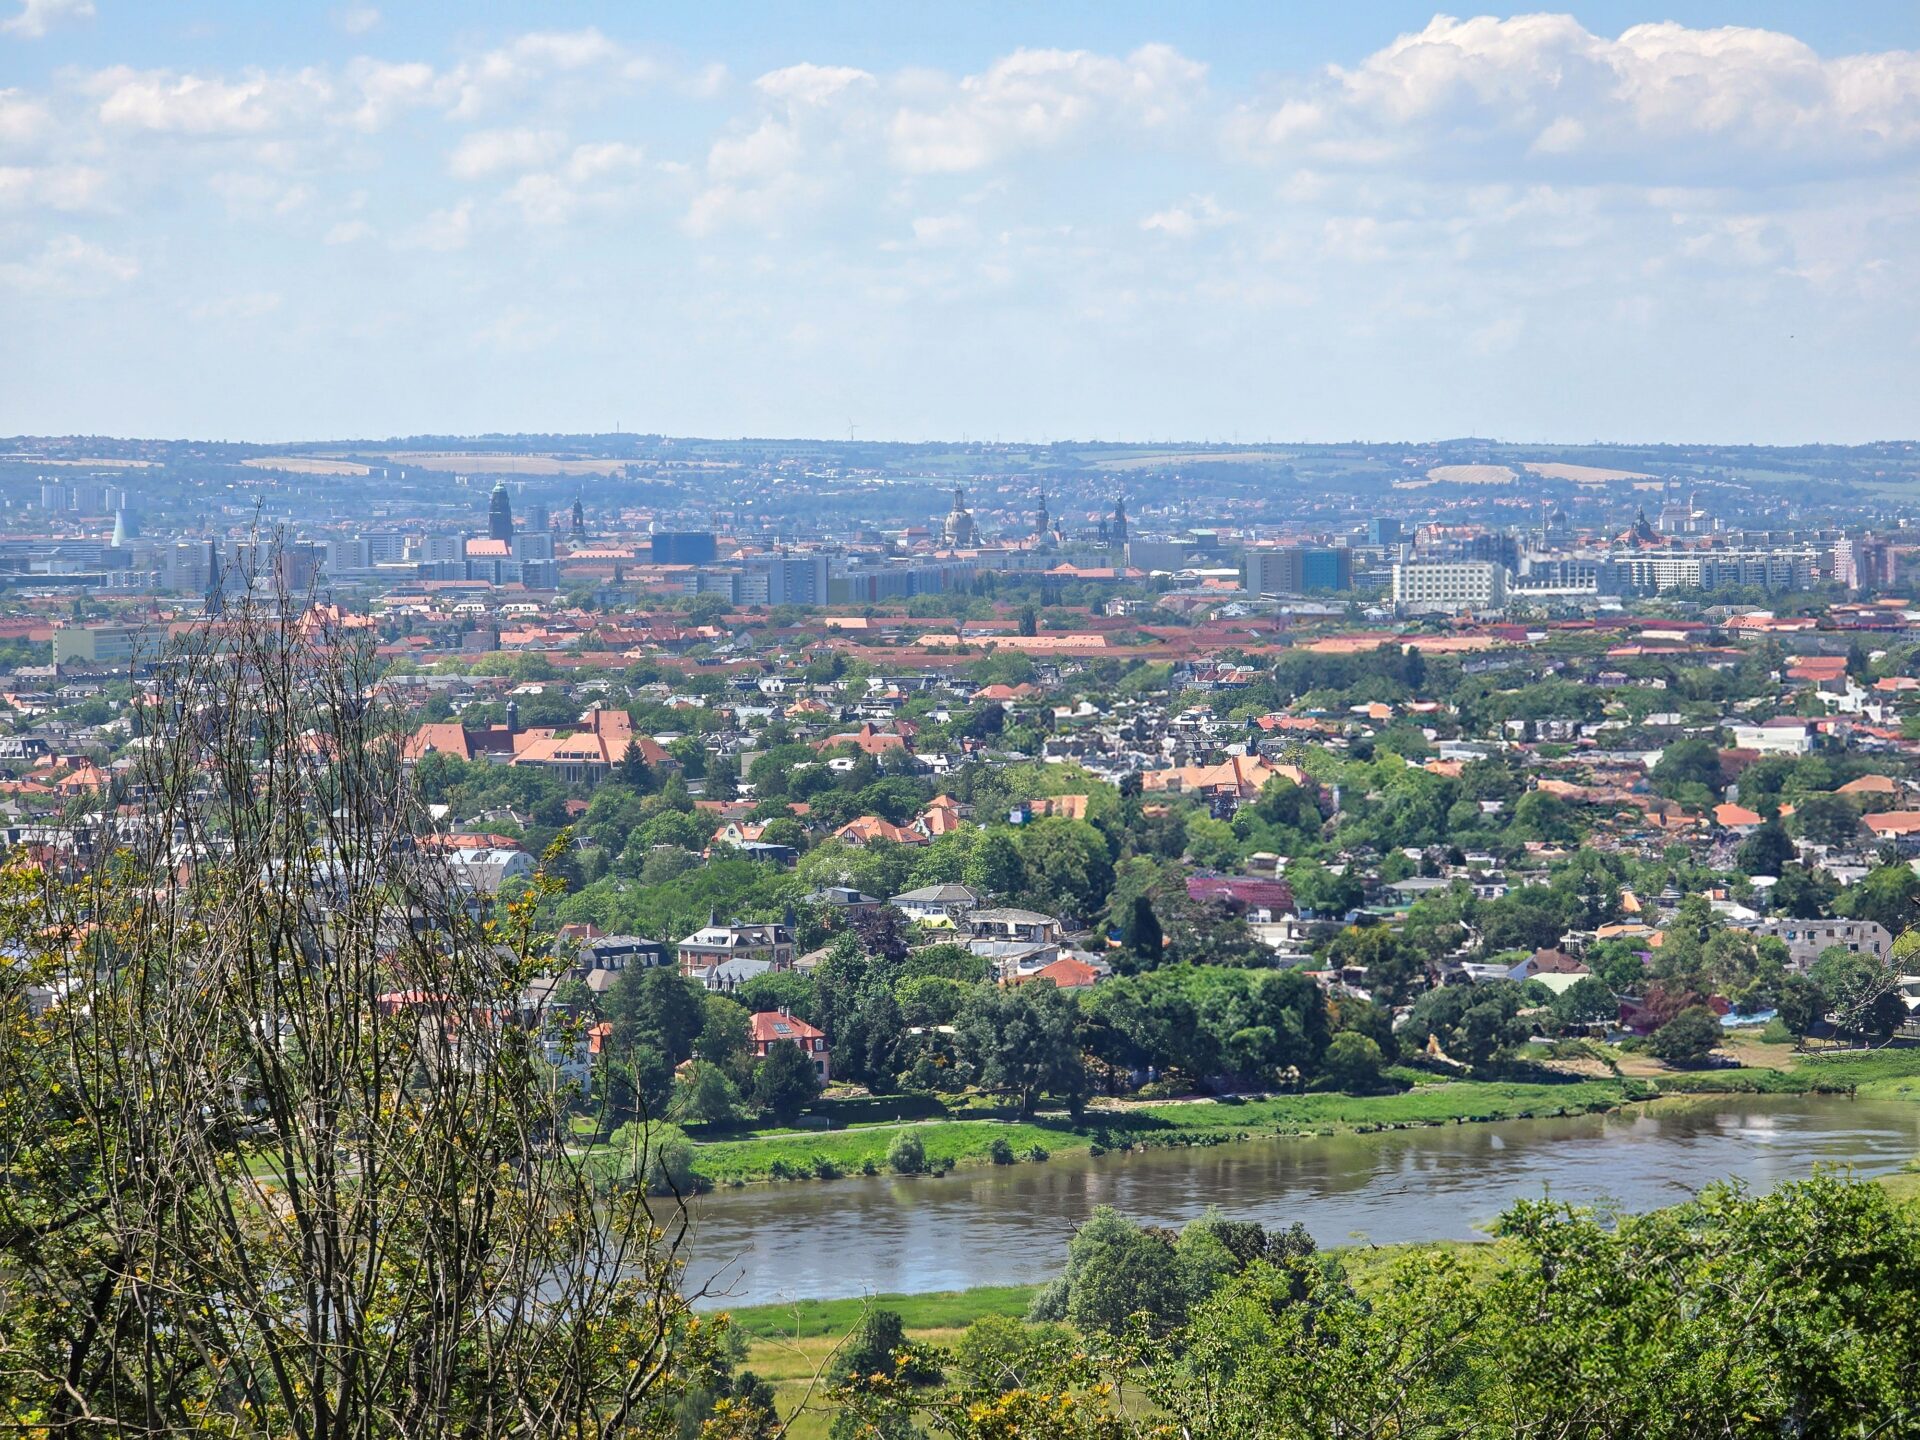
(937, 1310)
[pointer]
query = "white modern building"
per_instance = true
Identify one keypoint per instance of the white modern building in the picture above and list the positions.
(1449, 585)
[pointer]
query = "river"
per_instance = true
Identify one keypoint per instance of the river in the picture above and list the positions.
(1010, 1224)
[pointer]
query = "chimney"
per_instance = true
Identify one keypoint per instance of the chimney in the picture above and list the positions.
(786, 1012)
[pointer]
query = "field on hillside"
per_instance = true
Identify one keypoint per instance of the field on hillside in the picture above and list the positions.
(1472, 475)
(1194, 457)
(308, 465)
(497, 464)
(1582, 474)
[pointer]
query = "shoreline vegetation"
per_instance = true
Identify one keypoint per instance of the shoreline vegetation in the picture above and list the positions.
(792, 1345)
(860, 1137)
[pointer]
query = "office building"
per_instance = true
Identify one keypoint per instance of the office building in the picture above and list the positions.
(102, 646)
(1297, 570)
(1449, 585)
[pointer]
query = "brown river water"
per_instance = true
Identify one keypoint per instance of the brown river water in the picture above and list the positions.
(1002, 1225)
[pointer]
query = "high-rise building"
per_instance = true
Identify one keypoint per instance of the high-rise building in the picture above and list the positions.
(1862, 564)
(500, 514)
(795, 579)
(1297, 570)
(539, 519)
(1383, 531)
(384, 547)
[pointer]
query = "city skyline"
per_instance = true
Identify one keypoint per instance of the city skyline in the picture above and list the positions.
(1108, 222)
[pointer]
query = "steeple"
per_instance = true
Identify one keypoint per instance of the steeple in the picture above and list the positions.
(216, 582)
(1041, 520)
(579, 519)
(1119, 531)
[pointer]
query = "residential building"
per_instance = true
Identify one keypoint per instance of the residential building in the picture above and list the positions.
(1807, 939)
(938, 902)
(715, 943)
(1782, 735)
(782, 1027)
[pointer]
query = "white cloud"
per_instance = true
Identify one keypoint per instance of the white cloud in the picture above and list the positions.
(1189, 218)
(707, 82)
(511, 70)
(606, 157)
(387, 89)
(66, 265)
(23, 119)
(937, 230)
(1728, 105)
(37, 17)
(770, 149)
(1035, 98)
(811, 84)
(169, 102)
(347, 232)
(443, 230)
(489, 152)
(50, 187)
(359, 19)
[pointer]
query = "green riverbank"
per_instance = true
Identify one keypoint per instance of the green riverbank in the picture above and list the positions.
(953, 1143)
(960, 1141)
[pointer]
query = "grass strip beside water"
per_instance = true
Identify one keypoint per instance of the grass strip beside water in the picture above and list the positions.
(936, 1310)
(1202, 1122)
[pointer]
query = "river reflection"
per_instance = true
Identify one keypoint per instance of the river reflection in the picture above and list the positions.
(1010, 1225)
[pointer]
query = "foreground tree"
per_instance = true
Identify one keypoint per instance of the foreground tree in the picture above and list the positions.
(784, 1083)
(1024, 1040)
(282, 1143)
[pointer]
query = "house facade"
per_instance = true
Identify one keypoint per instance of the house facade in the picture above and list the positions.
(780, 1027)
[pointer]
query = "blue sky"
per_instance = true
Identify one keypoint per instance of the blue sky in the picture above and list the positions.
(1122, 220)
